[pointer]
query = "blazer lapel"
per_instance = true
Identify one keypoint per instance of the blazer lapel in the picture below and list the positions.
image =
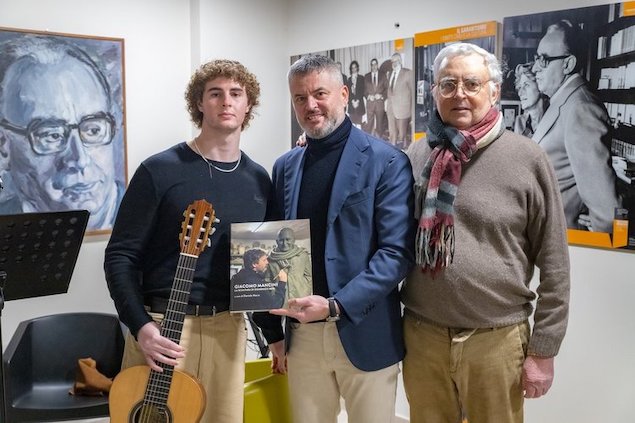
(546, 122)
(292, 180)
(553, 111)
(354, 156)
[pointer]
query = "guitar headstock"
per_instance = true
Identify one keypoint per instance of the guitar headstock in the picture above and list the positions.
(196, 228)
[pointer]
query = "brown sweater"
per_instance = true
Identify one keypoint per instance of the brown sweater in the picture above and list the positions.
(508, 219)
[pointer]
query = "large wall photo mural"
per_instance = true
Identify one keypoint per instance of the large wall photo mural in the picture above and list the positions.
(570, 81)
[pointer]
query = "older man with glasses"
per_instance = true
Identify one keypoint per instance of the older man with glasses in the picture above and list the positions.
(489, 210)
(575, 131)
(56, 130)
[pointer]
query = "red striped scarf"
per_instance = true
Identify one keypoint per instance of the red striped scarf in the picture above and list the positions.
(441, 177)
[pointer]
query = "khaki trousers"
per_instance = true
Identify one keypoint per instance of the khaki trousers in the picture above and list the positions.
(320, 372)
(454, 374)
(215, 355)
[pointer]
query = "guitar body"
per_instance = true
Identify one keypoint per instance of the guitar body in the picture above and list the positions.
(186, 401)
(141, 395)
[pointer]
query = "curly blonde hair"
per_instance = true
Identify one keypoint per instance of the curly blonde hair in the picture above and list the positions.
(221, 68)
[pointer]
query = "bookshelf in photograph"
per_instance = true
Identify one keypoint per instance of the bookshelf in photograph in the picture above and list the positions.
(613, 73)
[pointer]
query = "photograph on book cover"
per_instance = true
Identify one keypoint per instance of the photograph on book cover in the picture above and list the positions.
(427, 45)
(573, 72)
(270, 263)
(62, 124)
(381, 90)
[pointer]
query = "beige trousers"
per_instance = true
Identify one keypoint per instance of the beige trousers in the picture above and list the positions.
(320, 372)
(455, 374)
(215, 355)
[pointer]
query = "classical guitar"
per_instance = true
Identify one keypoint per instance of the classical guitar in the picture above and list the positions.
(142, 395)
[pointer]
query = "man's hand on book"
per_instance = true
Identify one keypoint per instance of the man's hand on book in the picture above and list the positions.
(305, 309)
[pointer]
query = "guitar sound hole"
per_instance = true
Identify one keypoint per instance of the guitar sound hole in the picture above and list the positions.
(147, 413)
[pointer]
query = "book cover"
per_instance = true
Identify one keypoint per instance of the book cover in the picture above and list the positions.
(270, 263)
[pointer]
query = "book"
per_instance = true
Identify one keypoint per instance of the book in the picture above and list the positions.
(270, 263)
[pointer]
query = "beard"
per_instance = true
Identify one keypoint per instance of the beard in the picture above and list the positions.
(330, 124)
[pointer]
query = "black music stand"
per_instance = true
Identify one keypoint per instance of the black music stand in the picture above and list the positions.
(38, 252)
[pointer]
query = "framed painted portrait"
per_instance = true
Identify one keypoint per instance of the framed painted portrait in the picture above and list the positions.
(62, 124)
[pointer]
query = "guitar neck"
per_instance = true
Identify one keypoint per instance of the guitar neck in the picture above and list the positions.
(172, 324)
(171, 327)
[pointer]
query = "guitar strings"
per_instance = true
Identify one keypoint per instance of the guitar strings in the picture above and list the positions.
(180, 287)
(172, 323)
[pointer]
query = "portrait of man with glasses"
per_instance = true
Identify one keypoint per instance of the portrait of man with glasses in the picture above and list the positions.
(575, 132)
(58, 131)
(574, 129)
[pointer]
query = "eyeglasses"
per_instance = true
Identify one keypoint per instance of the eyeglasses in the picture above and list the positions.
(448, 87)
(51, 136)
(543, 60)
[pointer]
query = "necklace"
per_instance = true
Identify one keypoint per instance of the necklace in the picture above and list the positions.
(212, 165)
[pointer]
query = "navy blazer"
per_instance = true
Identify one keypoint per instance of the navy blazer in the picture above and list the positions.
(369, 241)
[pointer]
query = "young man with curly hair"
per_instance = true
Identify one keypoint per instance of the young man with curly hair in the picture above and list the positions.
(141, 257)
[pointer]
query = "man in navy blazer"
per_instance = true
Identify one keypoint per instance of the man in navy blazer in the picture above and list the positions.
(356, 189)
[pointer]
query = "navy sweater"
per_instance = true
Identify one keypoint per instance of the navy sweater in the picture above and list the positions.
(143, 251)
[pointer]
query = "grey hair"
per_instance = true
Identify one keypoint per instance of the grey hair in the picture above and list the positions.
(466, 49)
(37, 49)
(315, 63)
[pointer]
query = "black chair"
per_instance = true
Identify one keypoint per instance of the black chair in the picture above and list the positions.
(41, 362)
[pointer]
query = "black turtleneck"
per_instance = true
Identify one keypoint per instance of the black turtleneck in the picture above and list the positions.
(320, 163)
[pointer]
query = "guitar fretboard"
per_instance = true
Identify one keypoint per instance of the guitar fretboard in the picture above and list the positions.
(159, 382)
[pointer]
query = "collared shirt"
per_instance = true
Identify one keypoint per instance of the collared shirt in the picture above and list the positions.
(393, 77)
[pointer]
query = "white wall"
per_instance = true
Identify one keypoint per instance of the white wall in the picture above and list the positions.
(166, 39)
(594, 371)
(254, 33)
